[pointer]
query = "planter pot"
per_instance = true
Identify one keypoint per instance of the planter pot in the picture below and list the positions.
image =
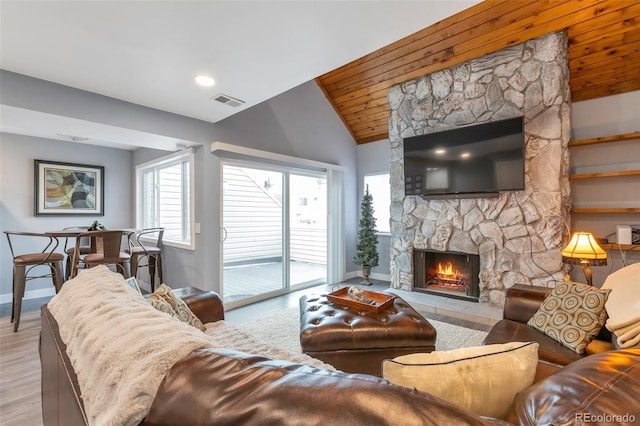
(366, 271)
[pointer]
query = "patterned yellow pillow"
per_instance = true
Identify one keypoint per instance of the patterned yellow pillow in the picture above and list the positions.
(163, 300)
(572, 314)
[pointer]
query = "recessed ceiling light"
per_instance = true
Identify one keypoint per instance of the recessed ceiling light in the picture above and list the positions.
(465, 155)
(440, 151)
(205, 81)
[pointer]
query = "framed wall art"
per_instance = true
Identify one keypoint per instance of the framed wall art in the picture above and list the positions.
(68, 189)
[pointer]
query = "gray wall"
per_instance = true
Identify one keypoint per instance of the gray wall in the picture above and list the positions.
(299, 123)
(374, 158)
(21, 91)
(17, 185)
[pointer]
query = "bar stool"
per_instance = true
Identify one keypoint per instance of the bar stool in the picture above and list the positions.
(147, 246)
(106, 249)
(25, 263)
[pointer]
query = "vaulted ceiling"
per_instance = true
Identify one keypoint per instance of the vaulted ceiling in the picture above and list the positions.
(604, 57)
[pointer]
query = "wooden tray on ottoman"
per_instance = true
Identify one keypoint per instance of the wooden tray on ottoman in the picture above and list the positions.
(379, 301)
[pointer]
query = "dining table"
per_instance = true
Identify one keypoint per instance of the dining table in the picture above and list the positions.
(74, 233)
(95, 243)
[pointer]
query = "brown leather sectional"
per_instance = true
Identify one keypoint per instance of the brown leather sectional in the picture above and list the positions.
(218, 386)
(521, 302)
(597, 387)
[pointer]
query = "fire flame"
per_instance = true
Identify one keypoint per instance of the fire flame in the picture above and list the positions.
(447, 270)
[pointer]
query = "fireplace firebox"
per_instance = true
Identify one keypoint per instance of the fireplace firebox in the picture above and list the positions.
(447, 273)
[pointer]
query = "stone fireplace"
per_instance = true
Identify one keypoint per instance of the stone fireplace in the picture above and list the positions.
(517, 236)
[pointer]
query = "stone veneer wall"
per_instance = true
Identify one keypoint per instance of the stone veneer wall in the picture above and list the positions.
(519, 236)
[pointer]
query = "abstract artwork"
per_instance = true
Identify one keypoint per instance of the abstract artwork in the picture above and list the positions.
(68, 189)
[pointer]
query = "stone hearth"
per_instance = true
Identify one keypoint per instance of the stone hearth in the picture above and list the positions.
(518, 235)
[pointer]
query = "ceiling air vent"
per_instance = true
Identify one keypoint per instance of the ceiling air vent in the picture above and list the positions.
(228, 100)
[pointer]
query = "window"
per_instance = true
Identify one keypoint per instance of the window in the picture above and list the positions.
(164, 197)
(380, 190)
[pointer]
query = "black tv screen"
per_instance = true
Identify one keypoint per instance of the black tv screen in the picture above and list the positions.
(477, 160)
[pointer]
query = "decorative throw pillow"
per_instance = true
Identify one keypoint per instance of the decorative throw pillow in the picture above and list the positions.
(163, 300)
(572, 314)
(483, 379)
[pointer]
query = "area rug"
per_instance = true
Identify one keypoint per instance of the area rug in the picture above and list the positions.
(283, 329)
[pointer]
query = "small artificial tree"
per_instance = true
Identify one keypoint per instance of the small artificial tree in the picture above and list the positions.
(367, 247)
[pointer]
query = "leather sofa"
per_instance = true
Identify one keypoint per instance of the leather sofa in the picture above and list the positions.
(521, 303)
(598, 386)
(219, 386)
(61, 395)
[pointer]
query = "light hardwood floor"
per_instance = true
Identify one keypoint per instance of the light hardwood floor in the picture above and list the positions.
(20, 366)
(20, 403)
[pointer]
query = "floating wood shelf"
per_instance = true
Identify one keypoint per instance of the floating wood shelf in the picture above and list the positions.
(615, 246)
(607, 210)
(605, 139)
(605, 174)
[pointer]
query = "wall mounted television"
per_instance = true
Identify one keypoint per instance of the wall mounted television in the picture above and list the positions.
(466, 162)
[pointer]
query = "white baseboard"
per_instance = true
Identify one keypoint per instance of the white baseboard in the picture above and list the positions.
(29, 294)
(374, 275)
(381, 277)
(349, 275)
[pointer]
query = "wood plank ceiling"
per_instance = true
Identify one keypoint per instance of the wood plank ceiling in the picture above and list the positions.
(604, 58)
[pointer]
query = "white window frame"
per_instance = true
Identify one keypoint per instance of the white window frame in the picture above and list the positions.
(188, 242)
(382, 215)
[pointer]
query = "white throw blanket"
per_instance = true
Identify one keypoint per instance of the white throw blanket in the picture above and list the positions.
(121, 347)
(623, 305)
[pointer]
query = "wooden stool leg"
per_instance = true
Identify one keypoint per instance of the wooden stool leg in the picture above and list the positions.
(13, 293)
(57, 275)
(67, 268)
(126, 271)
(152, 271)
(134, 265)
(159, 266)
(19, 282)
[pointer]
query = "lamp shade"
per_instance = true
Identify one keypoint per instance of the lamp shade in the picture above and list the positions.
(583, 248)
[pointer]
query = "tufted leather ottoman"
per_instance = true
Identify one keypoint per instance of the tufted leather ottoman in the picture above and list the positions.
(356, 341)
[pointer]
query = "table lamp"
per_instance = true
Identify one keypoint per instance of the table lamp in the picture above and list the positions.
(584, 250)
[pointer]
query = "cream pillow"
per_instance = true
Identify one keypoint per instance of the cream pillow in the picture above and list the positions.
(483, 379)
(163, 300)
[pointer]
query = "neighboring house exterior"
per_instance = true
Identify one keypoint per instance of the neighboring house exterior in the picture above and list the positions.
(252, 211)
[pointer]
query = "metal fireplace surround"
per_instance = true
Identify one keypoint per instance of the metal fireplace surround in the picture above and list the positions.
(447, 273)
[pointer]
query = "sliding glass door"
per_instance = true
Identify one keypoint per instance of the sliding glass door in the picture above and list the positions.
(274, 231)
(307, 229)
